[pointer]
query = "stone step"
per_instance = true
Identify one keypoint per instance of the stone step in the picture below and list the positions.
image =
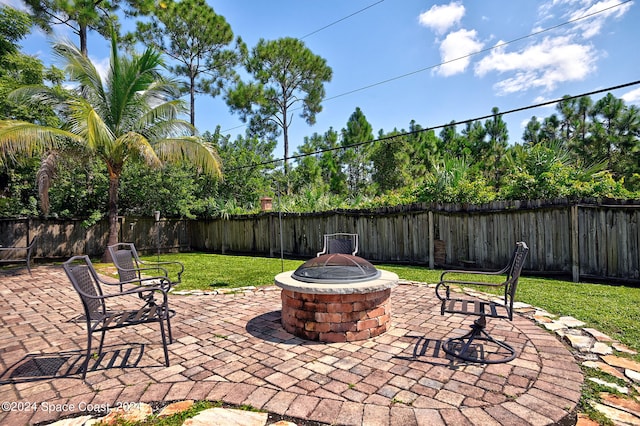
(225, 417)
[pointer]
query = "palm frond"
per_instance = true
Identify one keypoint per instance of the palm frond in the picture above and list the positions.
(191, 148)
(129, 79)
(138, 146)
(162, 122)
(36, 95)
(80, 68)
(22, 138)
(89, 125)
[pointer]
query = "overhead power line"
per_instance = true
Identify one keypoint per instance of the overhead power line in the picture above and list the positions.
(506, 43)
(470, 120)
(340, 20)
(488, 49)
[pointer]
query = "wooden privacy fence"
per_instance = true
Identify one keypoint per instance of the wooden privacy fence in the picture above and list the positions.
(585, 239)
(582, 239)
(60, 239)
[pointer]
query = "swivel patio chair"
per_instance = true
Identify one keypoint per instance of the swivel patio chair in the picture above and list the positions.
(463, 347)
(98, 298)
(340, 243)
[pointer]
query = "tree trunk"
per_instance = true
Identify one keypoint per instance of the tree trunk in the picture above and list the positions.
(285, 133)
(192, 97)
(83, 40)
(113, 215)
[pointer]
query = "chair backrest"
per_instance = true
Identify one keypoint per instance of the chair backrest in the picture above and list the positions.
(84, 279)
(340, 243)
(125, 258)
(514, 269)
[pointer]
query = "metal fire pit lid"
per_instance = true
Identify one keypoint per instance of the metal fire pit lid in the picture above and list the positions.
(336, 268)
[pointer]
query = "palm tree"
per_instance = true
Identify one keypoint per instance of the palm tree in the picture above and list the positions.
(131, 114)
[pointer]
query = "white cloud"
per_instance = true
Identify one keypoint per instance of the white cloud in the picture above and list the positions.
(632, 97)
(457, 47)
(441, 18)
(543, 65)
(569, 10)
(603, 10)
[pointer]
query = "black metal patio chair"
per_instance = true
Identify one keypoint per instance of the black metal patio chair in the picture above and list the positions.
(339, 242)
(130, 267)
(17, 254)
(463, 347)
(133, 270)
(99, 297)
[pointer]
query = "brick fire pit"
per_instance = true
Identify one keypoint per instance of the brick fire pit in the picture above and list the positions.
(336, 310)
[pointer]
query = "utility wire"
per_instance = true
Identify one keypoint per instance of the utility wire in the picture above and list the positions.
(488, 49)
(536, 33)
(340, 20)
(470, 120)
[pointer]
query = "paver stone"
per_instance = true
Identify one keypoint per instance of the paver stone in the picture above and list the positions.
(224, 417)
(176, 407)
(581, 343)
(617, 361)
(614, 414)
(570, 322)
(624, 404)
(599, 336)
(633, 375)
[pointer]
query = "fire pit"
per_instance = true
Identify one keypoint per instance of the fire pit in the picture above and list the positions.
(336, 298)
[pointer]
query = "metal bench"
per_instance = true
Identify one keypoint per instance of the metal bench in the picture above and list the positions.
(17, 254)
(463, 347)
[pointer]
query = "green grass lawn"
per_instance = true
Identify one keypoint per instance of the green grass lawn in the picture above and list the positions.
(612, 309)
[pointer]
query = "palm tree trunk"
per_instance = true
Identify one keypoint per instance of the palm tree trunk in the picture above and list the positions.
(114, 180)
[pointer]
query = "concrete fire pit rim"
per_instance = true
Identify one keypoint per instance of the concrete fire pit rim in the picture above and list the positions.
(386, 280)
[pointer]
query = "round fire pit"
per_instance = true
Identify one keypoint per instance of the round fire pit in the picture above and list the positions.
(336, 298)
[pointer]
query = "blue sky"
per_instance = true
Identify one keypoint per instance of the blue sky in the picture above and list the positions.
(412, 38)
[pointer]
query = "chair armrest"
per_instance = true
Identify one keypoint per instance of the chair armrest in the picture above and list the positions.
(150, 264)
(466, 272)
(447, 282)
(156, 268)
(488, 284)
(164, 283)
(135, 290)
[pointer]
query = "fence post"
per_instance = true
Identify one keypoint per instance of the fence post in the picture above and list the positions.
(575, 248)
(432, 246)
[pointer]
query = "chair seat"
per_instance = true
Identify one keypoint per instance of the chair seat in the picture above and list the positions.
(476, 307)
(118, 319)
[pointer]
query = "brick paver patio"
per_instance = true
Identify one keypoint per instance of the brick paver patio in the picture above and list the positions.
(232, 348)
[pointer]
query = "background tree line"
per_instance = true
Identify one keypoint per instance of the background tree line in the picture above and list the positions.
(587, 148)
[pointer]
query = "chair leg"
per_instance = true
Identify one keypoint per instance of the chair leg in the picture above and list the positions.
(169, 326)
(477, 333)
(85, 365)
(101, 341)
(164, 343)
